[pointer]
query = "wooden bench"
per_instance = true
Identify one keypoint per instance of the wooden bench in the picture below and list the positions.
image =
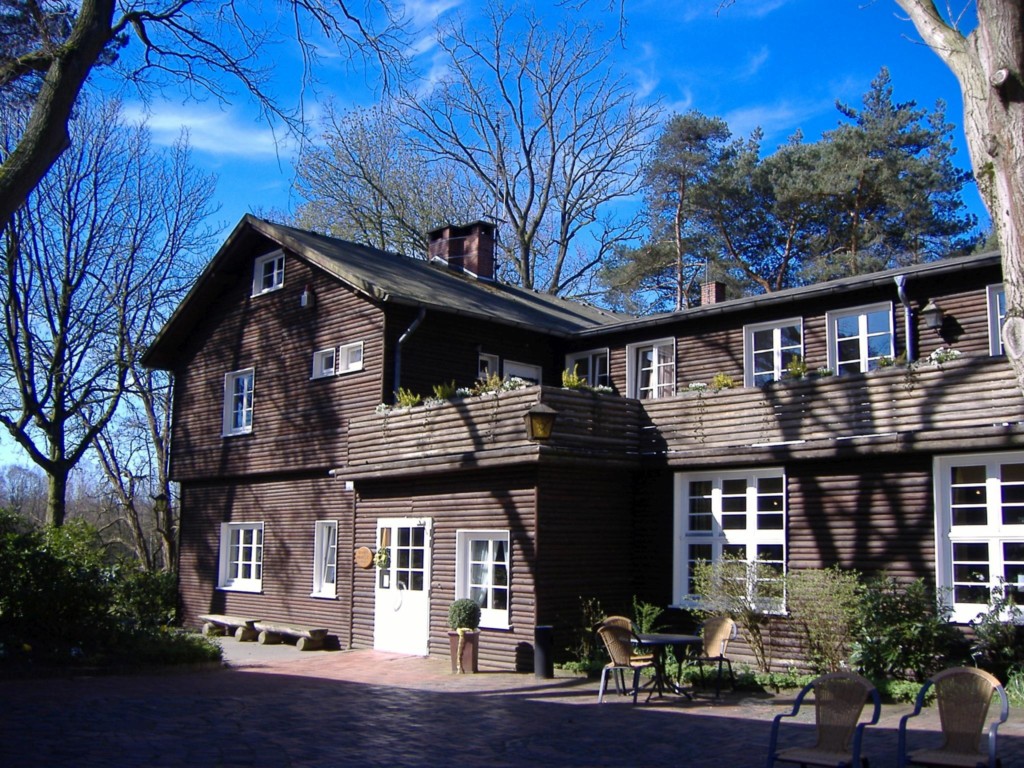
(272, 632)
(218, 624)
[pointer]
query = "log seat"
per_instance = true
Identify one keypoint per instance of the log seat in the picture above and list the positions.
(241, 627)
(308, 638)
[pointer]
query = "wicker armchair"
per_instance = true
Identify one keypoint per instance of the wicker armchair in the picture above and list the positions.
(616, 632)
(964, 696)
(839, 700)
(716, 633)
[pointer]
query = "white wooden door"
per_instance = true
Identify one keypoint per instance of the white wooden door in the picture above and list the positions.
(401, 622)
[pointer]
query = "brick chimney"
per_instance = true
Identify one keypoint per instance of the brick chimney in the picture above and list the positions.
(467, 248)
(712, 293)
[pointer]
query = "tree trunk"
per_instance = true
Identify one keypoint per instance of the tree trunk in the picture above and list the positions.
(56, 497)
(989, 64)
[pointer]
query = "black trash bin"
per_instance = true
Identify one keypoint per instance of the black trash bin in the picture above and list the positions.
(543, 647)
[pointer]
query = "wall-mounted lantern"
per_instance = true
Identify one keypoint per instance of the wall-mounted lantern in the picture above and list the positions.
(540, 420)
(933, 317)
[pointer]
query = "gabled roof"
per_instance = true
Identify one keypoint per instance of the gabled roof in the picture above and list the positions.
(379, 276)
(944, 268)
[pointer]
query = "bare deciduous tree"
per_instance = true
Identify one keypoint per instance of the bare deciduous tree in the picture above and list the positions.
(367, 183)
(207, 49)
(91, 260)
(988, 61)
(536, 115)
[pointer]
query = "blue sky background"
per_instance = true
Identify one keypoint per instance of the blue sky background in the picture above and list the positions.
(777, 64)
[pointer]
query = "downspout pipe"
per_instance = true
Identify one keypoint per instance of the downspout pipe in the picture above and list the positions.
(398, 348)
(908, 316)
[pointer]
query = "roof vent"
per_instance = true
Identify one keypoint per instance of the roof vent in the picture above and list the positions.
(467, 248)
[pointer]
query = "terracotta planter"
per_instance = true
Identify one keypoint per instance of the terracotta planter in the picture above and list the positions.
(470, 650)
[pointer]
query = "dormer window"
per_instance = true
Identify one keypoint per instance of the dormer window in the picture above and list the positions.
(268, 273)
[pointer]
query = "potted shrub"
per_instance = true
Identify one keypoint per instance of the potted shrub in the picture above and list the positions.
(463, 639)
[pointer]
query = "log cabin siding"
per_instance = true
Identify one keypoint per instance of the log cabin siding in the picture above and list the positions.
(480, 501)
(288, 508)
(446, 348)
(298, 422)
(584, 544)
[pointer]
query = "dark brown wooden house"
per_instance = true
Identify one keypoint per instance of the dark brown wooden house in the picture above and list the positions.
(289, 342)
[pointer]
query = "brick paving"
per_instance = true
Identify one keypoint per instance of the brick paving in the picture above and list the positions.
(277, 707)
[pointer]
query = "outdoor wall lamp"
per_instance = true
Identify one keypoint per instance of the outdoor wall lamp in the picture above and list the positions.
(933, 317)
(306, 298)
(540, 420)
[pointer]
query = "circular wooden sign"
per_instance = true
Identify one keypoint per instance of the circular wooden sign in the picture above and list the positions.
(364, 557)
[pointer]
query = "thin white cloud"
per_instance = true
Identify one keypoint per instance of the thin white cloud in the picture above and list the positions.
(213, 131)
(778, 121)
(755, 61)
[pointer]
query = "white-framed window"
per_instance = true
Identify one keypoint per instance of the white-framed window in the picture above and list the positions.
(241, 557)
(488, 365)
(859, 338)
(482, 563)
(325, 558)
(268, 273)
(739, 515)
(350, 357)
(979, 529)
(996, 317)
(591, 365)
(324, 362)
(238, 392)
(651, 369)
(768, 348)
(528, 372)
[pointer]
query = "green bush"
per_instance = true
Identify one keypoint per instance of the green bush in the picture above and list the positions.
(824, 603)
(63, 602)
(903, 632)
(584, 652)
(464, 614)
(144, 599)
(998, 635)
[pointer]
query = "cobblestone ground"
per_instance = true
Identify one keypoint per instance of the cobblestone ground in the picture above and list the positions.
(279, 708)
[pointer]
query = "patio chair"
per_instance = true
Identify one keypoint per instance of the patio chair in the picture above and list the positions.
(839, 700)
(616, 633)
(964, 696)
(716, 633)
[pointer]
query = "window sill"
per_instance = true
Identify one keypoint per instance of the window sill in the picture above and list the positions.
(323, 596)
(248, 590)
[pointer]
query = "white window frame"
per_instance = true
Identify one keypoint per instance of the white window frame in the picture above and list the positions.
(867, 361)
(779, 354)
(992, 533)
(325, 559)
(238, 403)
(528, 372)
(720, 536)
(350, 357)
(491, 618)
(996, 316)
(664, 358)
(592, 358)
(236, 555)
(276, 259)
(487, 365)
(325, 362)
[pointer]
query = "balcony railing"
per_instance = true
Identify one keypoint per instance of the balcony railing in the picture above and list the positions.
(963, 403)
(487, 428)
(959, 401)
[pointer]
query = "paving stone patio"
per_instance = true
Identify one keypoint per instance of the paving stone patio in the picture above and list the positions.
(275, 706)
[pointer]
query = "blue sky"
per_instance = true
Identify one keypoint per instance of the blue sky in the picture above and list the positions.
(777, 64)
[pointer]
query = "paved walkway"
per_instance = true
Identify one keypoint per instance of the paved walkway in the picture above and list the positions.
(277, 707)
